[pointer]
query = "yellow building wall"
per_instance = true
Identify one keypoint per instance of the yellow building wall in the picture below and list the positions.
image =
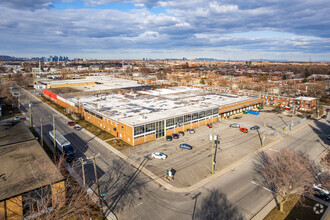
(150, 137)
(138, 141)
(58, 192)
(14, 208)
(2, 210)
(70, 85)
(126, 133)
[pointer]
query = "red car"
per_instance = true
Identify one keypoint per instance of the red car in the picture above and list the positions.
(209, 125)
(71, 123)
(245, 130)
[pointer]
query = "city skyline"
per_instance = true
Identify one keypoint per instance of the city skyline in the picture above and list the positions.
(134, 29)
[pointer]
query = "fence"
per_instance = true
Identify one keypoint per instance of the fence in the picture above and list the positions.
(289, 127)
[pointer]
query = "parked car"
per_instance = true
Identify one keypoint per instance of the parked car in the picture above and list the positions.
(175, 136)
(324, 116)
(71, 123)
(191, 131)
(209, 125)
(245, 130)
(328, 136)
(234, 125)
(169, 138)
(321, 192)
(17, 118)
(77, 127)
(186, 146)
(321, 188)
(181, 133)
(328, 110)
(158, 155)
(255, 127)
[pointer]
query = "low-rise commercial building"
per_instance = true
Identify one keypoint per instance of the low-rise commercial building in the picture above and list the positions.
(301, 102)
(139, 117)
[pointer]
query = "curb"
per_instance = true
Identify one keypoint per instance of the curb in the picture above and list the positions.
(262, 213)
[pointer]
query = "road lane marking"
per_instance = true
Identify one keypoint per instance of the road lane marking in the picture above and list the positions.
(262, 187)
(238, 191)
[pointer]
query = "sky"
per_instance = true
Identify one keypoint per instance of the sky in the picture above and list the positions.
(135, 29)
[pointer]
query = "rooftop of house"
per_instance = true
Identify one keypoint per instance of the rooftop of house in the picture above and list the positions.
(24, 165)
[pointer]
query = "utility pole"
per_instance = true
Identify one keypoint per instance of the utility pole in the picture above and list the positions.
(293, 110)
(41, 133)
(212, 139)
(54, 134)
(83, 170)
(317, 109)
(263, 134)
(96, 180)
(30, 114)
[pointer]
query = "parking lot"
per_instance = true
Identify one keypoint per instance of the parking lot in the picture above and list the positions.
(191, 166)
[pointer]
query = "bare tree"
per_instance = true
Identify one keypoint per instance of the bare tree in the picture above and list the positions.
(217, 206)
(285, 172)
(70, 201)
(5, 92)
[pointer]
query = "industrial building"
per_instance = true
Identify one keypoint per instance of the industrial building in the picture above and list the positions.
(137, 117)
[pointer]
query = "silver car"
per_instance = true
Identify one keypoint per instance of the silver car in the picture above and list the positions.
(235, 125)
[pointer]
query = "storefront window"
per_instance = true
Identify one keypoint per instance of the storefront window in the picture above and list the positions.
(169, 122)
(208, 112)
(139, 130)
(201, 114)
(187, 118)
(150, 127)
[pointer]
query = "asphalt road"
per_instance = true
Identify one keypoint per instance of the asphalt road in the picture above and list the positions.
(132, 195)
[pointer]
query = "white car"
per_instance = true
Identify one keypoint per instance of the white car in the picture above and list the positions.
(77, 127)
(321, 188)
(158, 155)
(17, 118)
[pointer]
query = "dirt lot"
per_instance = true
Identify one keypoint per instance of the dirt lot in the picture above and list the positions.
(191, 166)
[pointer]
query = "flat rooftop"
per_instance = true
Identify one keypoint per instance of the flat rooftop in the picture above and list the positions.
(24, 165)
(12, 131)
(101, 83)
(152, 105)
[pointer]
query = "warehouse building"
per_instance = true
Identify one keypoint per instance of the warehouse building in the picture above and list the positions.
(89, 83)
(139, 117)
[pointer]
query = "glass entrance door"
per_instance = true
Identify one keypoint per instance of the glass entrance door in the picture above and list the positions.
(160, 131)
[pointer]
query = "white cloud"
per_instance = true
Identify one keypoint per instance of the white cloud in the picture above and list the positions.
(215, 7)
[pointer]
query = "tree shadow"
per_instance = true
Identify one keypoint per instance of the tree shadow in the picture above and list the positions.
(217, 206)
(122, 189)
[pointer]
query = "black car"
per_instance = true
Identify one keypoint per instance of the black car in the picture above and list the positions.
(175, 136)
(321, 195)
(181, 133)
(169, 138)
(324, 116)
(186, 146)
(191, 131)
(255, 127)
